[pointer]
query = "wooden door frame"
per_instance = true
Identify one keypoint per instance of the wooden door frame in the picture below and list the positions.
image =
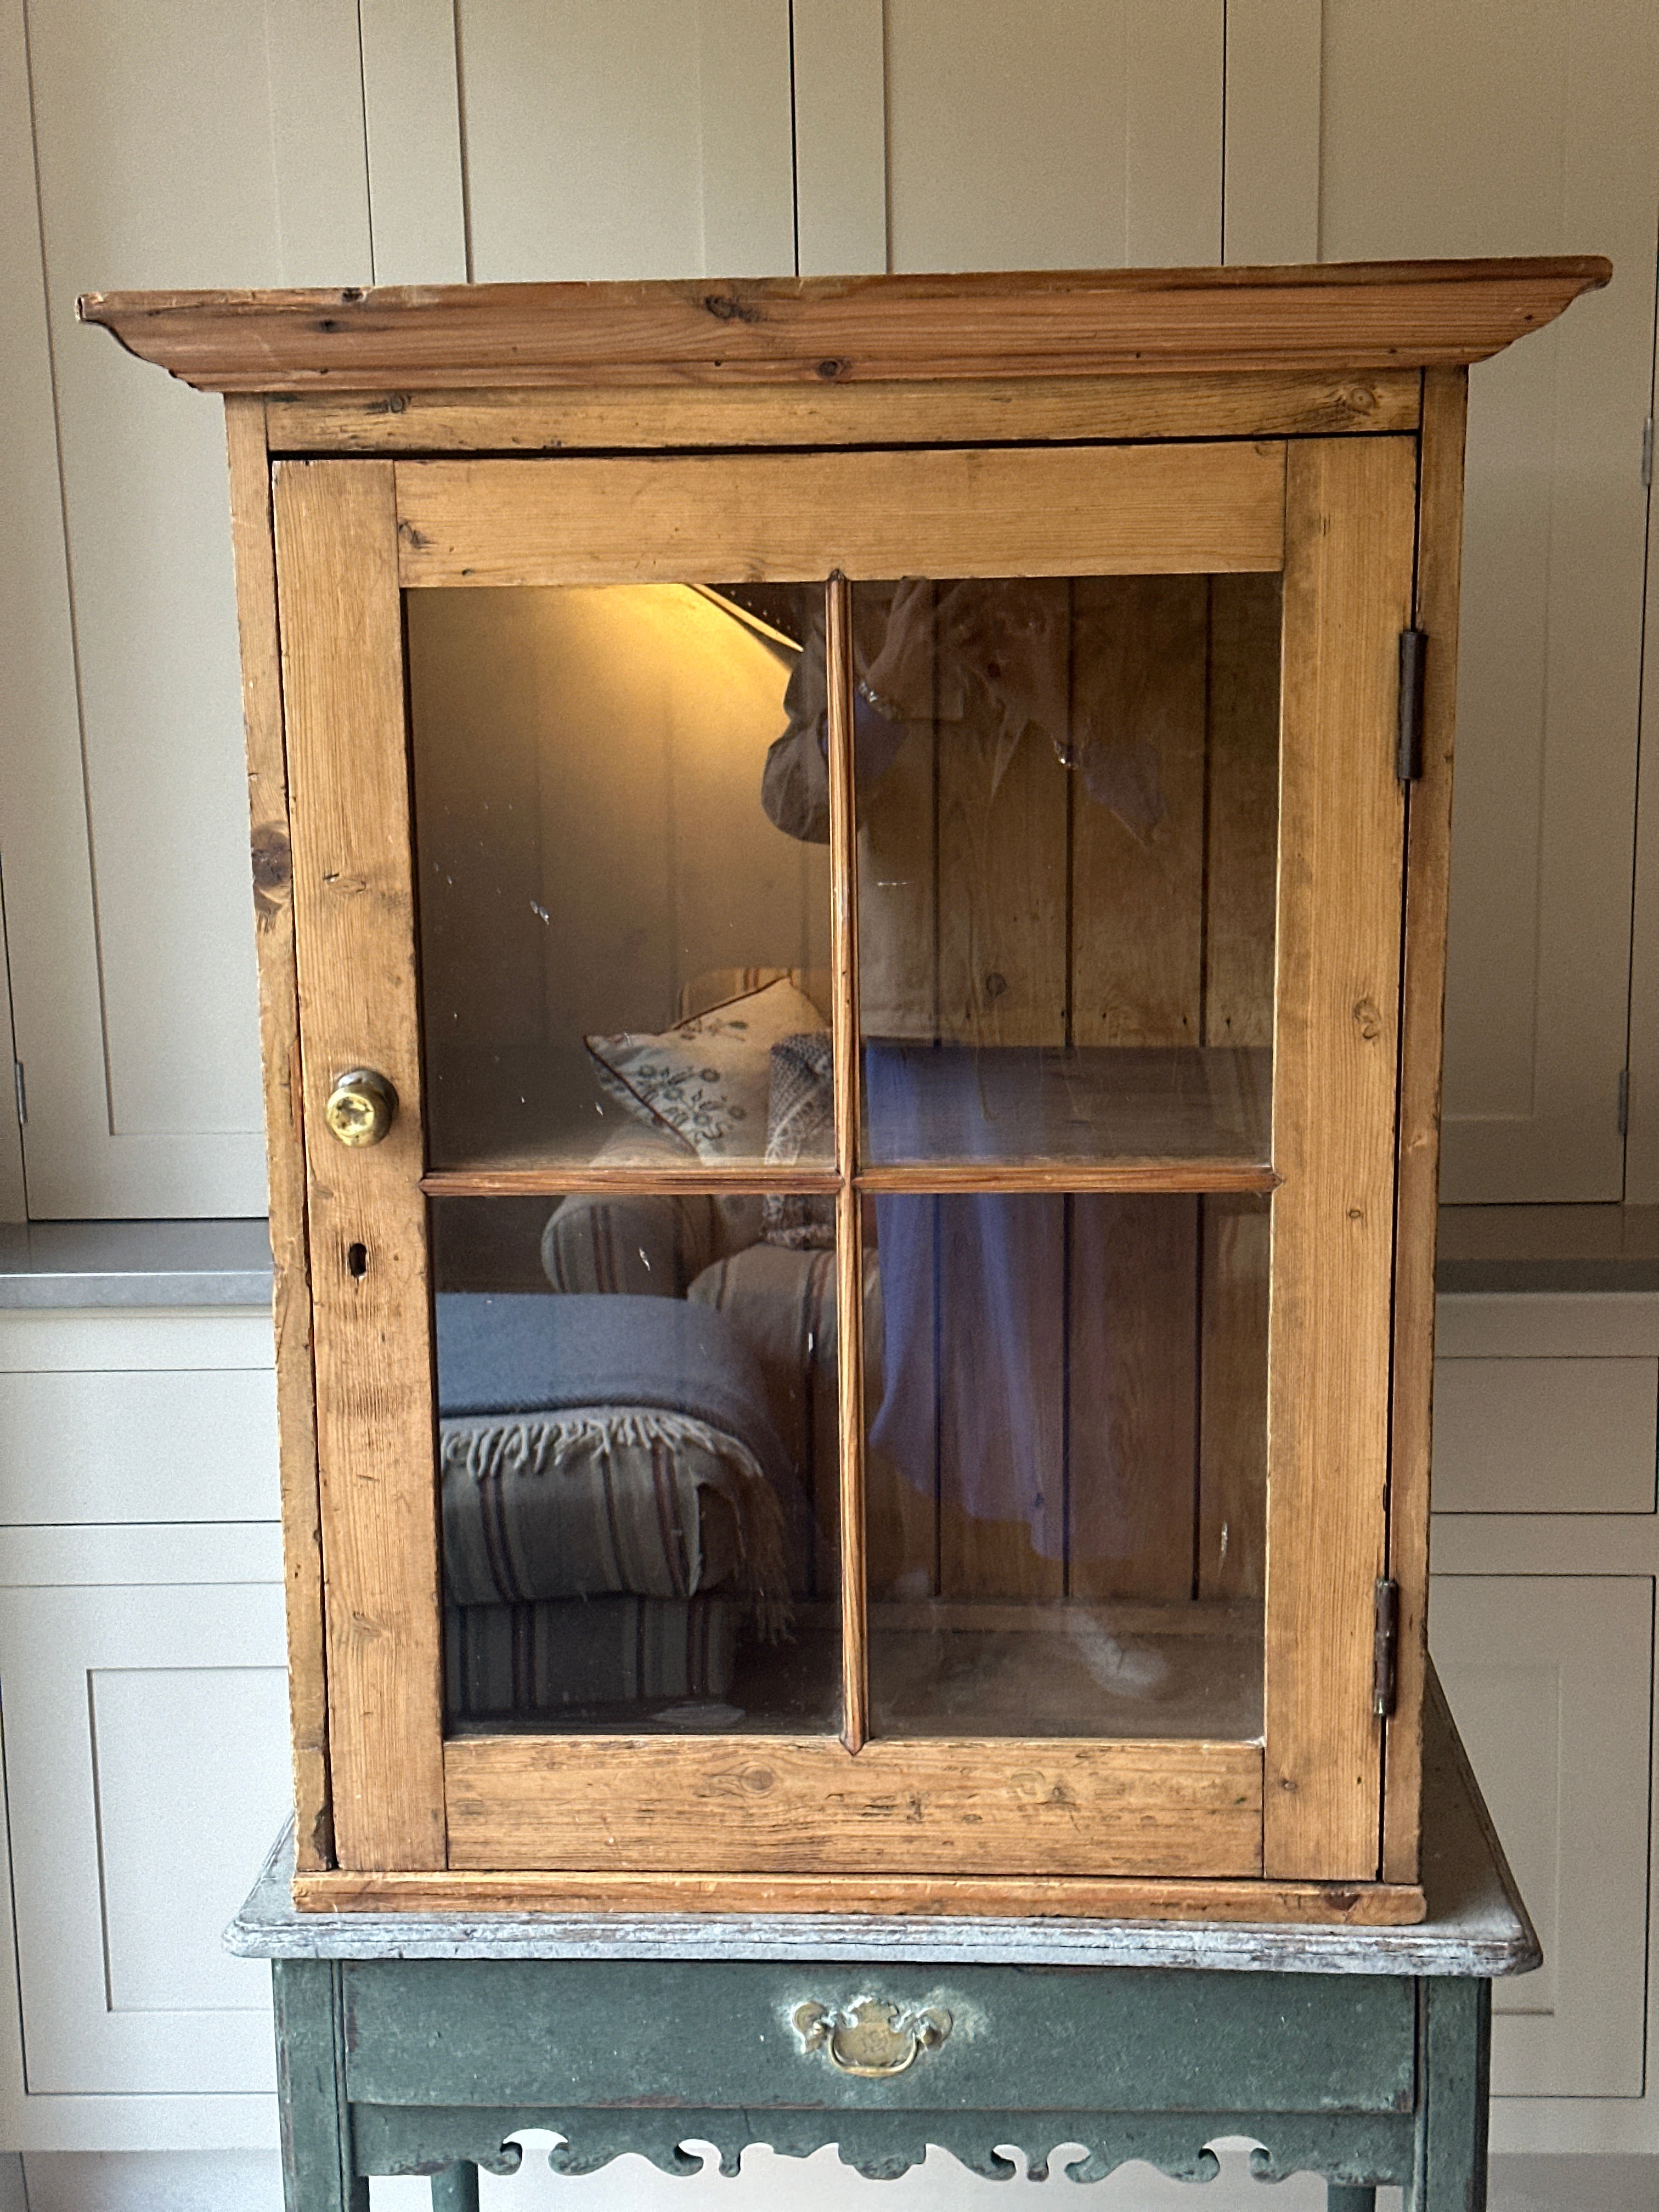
(343, 553)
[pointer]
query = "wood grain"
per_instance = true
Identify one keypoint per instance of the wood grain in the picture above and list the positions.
(279, 1027)
(1132, 1173)
(849, 1229)
(805, 1805)
(1428, 843)
(994, 511)
(1232, 1551)
(1350, 515)
(354, 927)
(1276, 1904)
(891, 414)
(1329, 317)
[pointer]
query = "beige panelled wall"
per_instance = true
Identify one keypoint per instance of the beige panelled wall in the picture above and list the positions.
(300, 140)
(1491, 127)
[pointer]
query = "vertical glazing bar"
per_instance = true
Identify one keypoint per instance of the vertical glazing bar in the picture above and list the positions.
(849, 1238)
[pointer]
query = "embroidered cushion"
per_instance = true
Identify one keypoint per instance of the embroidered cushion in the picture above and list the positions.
(708, 1079)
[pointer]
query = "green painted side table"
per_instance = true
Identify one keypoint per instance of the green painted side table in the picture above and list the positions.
(420, 2044)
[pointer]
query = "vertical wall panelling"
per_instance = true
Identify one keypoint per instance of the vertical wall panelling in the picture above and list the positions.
(1173, 57)
(37, 700)
(1498, 128)
(748, 157)
(198, 144)
(412, 120)
(840, 137)
(1069, 134)
(645, 138)
(1271, 187)
(1642, 1143)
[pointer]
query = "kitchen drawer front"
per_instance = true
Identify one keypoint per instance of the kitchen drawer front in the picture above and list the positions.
(719, 2036)
(1545, 1435)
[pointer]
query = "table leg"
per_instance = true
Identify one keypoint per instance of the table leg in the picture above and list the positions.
(1340, 2197)
(1454, 2061)
(315, 2113)
(456, 2189)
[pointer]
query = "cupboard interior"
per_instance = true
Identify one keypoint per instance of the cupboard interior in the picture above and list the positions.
(1066, 934)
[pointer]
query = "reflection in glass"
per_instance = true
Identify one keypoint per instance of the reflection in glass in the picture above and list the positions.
(613, 934)
(1066, 1465)
(638, 1466)
(1068, 813)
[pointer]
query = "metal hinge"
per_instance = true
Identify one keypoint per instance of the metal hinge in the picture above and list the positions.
(22, 1094)
(1413, 664)
(1624, 1102)
(1385, 1648)
(1647, 453)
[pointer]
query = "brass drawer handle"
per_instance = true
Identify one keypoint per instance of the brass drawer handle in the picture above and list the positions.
(361, 1107)
(871, 2039)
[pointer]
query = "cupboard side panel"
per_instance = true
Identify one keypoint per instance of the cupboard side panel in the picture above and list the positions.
(279, 1026)
(1428, 849)
(353, 930)
(1349, 514)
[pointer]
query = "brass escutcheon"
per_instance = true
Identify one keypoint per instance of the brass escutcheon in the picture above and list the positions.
(870, 2038)
(361, 1107)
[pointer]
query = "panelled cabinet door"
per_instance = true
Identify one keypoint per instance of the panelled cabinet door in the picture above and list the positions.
(849, 1016)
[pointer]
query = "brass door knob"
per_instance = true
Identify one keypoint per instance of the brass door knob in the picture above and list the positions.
(361, 1107)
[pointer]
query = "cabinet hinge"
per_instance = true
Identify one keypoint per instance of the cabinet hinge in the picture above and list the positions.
(1647, 453)
(1385, 1648)
(1624, 1102)
(22, 1094)
(1413, 664)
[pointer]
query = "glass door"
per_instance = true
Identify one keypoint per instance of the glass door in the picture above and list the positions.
(847, 1029)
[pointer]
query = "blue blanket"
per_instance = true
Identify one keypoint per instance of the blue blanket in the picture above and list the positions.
(528, 1353)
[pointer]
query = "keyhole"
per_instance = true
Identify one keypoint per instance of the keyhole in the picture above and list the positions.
(357, 1260)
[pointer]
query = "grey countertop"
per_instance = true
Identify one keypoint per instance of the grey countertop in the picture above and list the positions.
(135, 1263)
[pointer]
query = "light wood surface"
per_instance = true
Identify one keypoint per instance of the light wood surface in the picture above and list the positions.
(1428, 845)
(849, 1228)
(354, 922)
(1250, 405)
(1328, 316)
(1349, 530)
(279, 1029)
(923, 1896)
(1033, 511)
(799, 1804)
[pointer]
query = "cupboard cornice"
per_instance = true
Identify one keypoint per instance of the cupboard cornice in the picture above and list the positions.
(847, 330)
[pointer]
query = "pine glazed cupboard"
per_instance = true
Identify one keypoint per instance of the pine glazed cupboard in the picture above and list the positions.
(850, 880)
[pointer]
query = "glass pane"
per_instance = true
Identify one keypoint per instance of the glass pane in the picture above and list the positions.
(614, 930)
(1068, 804)
(1066, 1465)
(639, 1464)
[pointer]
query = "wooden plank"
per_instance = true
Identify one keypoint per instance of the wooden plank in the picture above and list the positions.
(849, 1228)
(353, 930)
(1248, 405)
(1033, 511)
(1138, 895)
(1350, 508)
(1133, 1398)
(798, 1805)
(1276, 1904)
(1428, 845)
(487, 1179)
(1328, 316)
(1232, 1551)
(1272, 1903)
(1242, 854)
(279, 1026)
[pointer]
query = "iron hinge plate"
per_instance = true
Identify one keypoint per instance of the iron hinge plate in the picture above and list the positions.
(1413, 666)
(1385, 1648)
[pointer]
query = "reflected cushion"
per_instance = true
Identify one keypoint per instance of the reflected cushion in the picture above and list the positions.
(511, 1661)
(707, 1080)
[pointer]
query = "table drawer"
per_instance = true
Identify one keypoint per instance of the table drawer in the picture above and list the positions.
(520, 2033)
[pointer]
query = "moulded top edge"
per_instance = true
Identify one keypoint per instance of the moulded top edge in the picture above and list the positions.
(829, 330)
